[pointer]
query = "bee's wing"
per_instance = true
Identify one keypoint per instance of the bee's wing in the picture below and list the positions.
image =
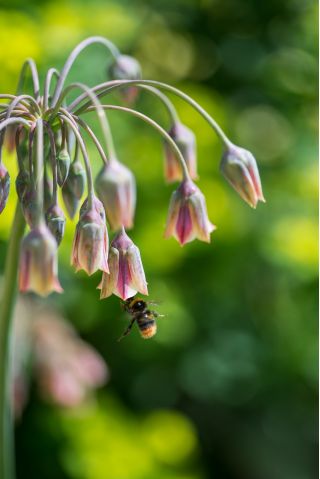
(155, 303)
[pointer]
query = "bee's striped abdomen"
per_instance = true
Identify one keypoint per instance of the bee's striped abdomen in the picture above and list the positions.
(147, 327)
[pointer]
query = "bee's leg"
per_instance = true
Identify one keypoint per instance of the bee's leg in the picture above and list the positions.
(127, 331)
(157, 315)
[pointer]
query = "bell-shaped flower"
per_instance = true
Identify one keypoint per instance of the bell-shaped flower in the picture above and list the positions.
(186, 142)
(56, 222)
(38, 262)
(116, 188)
(126, 276)
(91, 243)
(126, 67)
(4, 186)
(240, 169)
(187, 217)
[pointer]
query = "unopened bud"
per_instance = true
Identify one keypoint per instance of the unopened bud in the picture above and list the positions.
(4, 186)
(63, 166)
(22, 183)
(240, 169)
(126, 67)
(116, 188)
(70, 200)
(56, 222)
(30, 205)
(186, 142)
(47, 191)
(77, 179)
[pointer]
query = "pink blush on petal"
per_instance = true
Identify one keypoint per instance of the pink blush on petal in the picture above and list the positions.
(184, 224)
(124, 277)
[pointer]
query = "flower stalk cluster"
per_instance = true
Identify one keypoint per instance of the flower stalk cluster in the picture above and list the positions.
(47, 132)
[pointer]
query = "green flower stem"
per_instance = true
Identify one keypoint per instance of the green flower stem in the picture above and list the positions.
(92, 136)
(107, 87)
(53, 159)
(46, 92)
(7, 469)
(157, 127)
(166, 102)
(73, 56)
(30, 64)
(105, 127)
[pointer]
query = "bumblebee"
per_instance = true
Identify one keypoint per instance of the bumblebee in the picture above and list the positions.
(145, 318)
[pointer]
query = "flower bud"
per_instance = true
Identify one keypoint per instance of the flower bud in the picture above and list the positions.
(63, 166)
(70, 200)
(77, 179)
(38, 262)
(91, 243)
(29, 204)
(4, 186)
(10, 138)
(240, 169)
(126, 67)
(126, 276)
(186, 142)
(47, 191)
(22, 183)
(116, 188)
(187, 218)
(56, 222)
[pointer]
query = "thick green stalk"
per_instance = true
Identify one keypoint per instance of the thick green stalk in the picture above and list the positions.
(7, 469)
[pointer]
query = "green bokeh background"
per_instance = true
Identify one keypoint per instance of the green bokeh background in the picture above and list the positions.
(227, 388)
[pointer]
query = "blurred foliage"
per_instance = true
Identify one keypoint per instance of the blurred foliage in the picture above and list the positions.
(236, 352)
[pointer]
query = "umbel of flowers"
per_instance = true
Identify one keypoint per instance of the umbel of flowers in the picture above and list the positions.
(49, 134)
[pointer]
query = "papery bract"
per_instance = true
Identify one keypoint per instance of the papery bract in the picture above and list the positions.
(187, 217)
(126, 276)
(38, 262)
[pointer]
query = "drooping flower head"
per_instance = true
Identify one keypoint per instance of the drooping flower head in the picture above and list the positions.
(240, 169)
(186, 142)
(126, 276)
(116, 188)
(187, 217)
(38, 262)
(91, 243)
